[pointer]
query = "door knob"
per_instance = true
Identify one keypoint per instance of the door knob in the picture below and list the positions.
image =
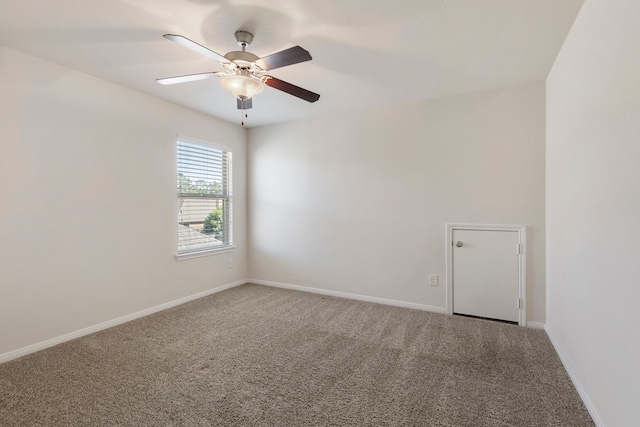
(459, 244)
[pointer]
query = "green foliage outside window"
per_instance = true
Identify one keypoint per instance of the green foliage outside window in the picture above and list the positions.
(213, 222)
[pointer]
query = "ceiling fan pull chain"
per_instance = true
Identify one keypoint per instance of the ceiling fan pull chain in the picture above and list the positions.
(244, 116)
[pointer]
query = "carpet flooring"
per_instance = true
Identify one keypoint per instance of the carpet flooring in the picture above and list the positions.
(262, 356)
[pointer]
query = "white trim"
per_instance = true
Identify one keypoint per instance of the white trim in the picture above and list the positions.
(208, 252)
(522, 261)
(346, 295)
(535, 325)
(14, 354)
(574, 379)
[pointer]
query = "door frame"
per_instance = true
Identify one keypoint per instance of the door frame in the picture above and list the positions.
(522, 262)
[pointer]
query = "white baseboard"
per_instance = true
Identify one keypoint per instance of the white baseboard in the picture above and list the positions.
(14, 354)
(576, 383)
(346, 295)
(535, 325)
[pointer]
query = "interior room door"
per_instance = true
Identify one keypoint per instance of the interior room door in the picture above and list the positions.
(486, 273)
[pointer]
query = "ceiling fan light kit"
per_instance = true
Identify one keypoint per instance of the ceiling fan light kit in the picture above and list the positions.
(244, 74)
(243, 87)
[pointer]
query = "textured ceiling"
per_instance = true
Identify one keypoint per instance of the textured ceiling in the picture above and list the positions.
(366, 53)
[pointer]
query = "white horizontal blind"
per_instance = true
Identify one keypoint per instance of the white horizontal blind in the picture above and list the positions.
(204, 197)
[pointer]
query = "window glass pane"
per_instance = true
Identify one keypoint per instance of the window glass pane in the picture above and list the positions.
(201, 223)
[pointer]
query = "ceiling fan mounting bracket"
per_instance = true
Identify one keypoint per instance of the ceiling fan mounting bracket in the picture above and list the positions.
(244, 38)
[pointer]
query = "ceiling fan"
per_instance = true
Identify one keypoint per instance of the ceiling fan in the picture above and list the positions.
(244, 74)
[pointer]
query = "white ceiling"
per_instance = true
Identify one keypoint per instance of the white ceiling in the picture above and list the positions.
(366, 53)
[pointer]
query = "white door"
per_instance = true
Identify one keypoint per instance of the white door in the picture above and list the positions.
(486, 273)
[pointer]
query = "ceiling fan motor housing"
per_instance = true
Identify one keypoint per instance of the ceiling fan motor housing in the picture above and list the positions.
(241, 58)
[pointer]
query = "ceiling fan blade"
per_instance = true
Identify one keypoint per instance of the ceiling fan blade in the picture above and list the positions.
(183, 79)
(244, 104)
(290, 56)
(190, 44)
(294, 90)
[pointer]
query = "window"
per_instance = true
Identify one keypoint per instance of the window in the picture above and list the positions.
(204, 197)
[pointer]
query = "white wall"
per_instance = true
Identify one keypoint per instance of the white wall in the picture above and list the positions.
(358, 203)
(87, 187)
(593, 207)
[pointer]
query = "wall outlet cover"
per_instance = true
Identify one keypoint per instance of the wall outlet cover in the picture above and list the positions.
(433, 279)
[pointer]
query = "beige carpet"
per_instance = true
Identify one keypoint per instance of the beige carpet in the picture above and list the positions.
(260, 356)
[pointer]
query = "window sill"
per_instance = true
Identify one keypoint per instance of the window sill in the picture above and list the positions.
(208, 252)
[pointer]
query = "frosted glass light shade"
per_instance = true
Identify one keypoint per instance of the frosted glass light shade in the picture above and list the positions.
(242, 87)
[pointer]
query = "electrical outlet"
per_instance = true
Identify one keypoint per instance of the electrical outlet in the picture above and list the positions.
(229, 262)
(433, 279)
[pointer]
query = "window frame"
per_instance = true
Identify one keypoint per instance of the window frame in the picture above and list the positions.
(226, 197)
